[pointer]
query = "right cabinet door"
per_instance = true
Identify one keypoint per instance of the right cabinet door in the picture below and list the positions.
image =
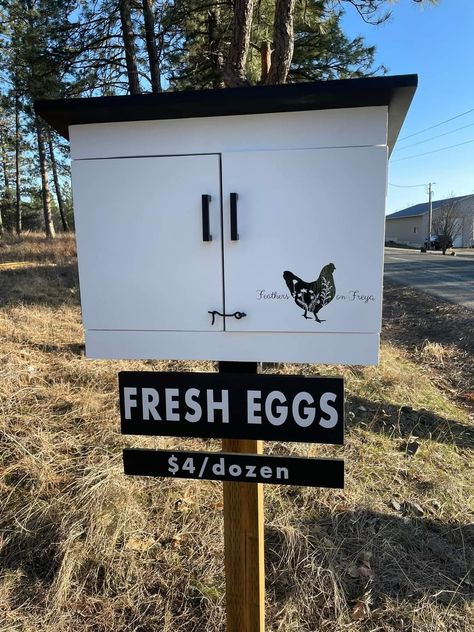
(309, 253)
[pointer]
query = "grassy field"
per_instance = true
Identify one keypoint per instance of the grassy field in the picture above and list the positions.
(84, 548)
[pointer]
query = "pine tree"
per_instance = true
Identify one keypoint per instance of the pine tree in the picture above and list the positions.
(287, 41)
(283, 41)
(129, 46)
(152, 49)
(38, 34)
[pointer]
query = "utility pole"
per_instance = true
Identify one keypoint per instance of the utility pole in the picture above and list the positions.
(430, 213)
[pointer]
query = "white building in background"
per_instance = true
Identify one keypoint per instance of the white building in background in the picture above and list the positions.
(410, 225)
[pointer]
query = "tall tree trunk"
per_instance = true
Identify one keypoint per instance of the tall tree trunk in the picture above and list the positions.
(6, 177)
(129, 46)
(214, 40)
(265, 56)
(57, 186)
(48, 218)
(283, 41)
(7, 195)
(234, 71)
(18, 209)
(148, 17)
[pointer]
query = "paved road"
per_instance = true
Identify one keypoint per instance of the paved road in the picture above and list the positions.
(452, 278)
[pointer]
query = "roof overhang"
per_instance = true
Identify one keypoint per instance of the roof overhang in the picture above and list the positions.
(396, 92)
(392, 217)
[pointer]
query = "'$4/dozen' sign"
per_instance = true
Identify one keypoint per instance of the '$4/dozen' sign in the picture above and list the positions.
(249, 471)
(235, 467)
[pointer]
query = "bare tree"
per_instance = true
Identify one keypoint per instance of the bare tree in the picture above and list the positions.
(447, 224)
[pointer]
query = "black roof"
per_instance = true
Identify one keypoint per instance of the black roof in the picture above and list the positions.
(396, 92)
(422, 208)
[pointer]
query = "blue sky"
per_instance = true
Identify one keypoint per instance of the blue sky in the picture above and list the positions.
(437, 43)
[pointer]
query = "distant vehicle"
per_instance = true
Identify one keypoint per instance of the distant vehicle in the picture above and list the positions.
(435, 243)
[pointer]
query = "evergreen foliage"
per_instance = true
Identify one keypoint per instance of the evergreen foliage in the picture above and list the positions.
(74, 48)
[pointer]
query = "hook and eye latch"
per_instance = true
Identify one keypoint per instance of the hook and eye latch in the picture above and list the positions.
(237, 315)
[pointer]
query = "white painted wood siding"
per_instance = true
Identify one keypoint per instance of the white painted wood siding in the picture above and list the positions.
(353, 127)
(239, 347)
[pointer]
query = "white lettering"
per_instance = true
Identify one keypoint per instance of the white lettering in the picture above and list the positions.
(250, 473)
(128, 402)
(309, 413)
(235, 470)
(282, 472)
(218, 468)
(172, 404)
(253, 407)
(282, 411)
(326, 408)
(150, 399)
(265, 471)
(223, 406)
(191, 403)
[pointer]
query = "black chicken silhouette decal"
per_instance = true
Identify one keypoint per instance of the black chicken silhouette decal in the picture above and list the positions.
(312, 296)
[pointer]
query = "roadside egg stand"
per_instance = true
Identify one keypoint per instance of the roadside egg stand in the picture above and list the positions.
(242, 226)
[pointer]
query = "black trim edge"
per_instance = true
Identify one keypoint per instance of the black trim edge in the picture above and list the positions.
(396, 92)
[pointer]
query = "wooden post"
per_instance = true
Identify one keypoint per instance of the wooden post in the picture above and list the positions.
(243, 537)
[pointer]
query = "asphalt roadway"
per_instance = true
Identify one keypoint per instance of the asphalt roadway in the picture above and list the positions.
(451, 278)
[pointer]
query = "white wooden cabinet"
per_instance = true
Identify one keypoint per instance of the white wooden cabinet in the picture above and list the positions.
(296, 205)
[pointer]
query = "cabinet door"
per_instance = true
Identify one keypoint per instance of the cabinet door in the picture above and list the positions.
(309, 255)
(143, 263)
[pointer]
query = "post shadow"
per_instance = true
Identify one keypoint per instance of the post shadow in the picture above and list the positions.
(45, 285)
(411, 558)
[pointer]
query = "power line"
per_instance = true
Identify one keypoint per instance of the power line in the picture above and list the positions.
(407, 186)
(420, 142)
(437, 125)
(433, 151)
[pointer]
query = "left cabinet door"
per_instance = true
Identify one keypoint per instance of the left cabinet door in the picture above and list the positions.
(143, 260)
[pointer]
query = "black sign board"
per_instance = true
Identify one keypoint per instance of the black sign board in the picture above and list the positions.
(244, 468)
(234, 406)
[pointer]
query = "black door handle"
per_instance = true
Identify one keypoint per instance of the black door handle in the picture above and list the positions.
(206, 235)
(234, 235)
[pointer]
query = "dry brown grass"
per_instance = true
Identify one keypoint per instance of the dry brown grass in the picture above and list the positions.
(82, 547)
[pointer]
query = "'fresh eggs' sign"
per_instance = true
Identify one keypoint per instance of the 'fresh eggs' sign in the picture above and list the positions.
(219, 405)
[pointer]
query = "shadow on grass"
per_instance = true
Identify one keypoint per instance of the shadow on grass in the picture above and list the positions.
(30, 551)
(49, 285)
(409, 558)
(35, 247)
(403, 422)
(410, 317)
(77, 349)
(419, 322)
